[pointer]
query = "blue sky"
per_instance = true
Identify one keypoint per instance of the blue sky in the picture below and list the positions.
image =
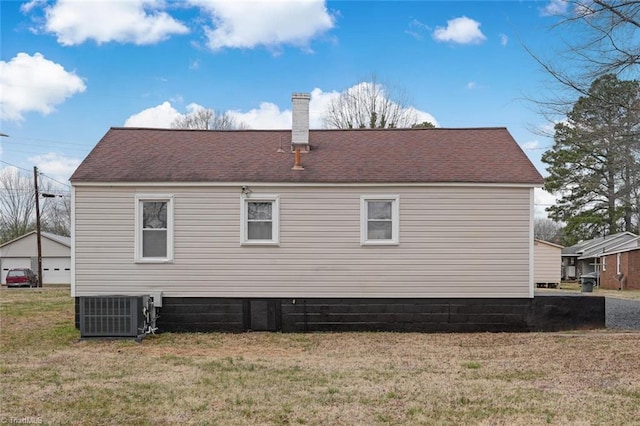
(72, 69)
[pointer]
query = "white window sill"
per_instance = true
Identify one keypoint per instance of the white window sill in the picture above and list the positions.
(260, 243)
(379, 243)
(153, 261)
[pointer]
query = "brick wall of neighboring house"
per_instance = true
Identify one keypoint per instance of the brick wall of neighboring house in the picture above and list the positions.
(633, 282)
(608, 272)
(629, 267)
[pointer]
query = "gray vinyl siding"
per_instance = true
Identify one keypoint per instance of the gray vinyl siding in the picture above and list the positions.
(454, 242)
(547, 263)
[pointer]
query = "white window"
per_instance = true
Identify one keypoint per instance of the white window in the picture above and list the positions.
(604, 263)
(260, 220)
(379, 219)
(618, 264)
(154, 228)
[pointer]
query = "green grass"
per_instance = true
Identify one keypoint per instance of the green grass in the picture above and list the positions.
(471, 365)
(309, 379)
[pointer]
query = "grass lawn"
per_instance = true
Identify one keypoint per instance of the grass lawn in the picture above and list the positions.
(48, 374)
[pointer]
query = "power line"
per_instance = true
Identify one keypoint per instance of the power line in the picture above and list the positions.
(57, 181)
(55, 141)
(33, 149)
(17, 167)
(39, 174)
(24, 191)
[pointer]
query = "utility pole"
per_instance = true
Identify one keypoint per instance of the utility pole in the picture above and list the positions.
(38, 238)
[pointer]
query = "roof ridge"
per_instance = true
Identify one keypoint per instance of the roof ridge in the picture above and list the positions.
(311, 130)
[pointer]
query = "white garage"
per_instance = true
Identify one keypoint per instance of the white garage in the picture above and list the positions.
(23, 253)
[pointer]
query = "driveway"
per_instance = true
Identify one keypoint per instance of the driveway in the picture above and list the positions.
(622, 314)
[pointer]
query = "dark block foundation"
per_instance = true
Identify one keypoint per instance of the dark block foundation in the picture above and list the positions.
(542, 313)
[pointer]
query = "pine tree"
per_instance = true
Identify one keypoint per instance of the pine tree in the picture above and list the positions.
(594, 163)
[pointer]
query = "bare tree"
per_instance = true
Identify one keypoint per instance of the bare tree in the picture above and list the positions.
(547, 230)
(208, 119)
(610, 29)
(17, 206)
(57, 214)
(605, 41)
(372, 105)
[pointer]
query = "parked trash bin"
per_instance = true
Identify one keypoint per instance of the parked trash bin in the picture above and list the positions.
(587, 281)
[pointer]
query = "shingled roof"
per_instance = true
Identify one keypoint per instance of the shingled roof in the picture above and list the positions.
(480, 155)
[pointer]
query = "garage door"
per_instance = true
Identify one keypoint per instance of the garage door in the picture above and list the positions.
(56, 270)
(10, 263)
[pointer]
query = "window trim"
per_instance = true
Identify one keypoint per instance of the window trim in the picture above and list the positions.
(604, 263)
(395, 220)
(275, 219)
(139, 199)
(618, 260)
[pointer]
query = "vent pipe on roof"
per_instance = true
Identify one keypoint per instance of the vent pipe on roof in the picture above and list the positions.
(300, 120)
(298, 162)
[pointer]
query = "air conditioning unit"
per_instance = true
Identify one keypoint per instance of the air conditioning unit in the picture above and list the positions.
(112, 316)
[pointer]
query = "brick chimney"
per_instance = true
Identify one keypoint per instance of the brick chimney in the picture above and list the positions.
(300, 121)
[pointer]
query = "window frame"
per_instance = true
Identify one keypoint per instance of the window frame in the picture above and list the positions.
(604, 263)
(618, 261)
(275, 219)
(395, 220)
(139, 211)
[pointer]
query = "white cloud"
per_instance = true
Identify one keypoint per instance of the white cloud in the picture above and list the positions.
(542, 200)
(549, 128)
(56, 166)
(318, 105)
(417, 29)
(267, 116)
(193, 107)
(471, 85)
(130, 21)
(270, 23)
(321, 100)
(160, 116)
(28, 6)
(422, 116)
(555, 8)
(504, 39)
(34, 83)
(531, 146)
(460, 30)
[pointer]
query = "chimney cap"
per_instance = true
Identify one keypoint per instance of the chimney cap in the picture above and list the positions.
(301, 96)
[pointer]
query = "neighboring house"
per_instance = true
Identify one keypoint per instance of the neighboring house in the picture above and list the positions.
(23, 253)
(621, 266)
(582, 258)
(301, 230)
(547, 263)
